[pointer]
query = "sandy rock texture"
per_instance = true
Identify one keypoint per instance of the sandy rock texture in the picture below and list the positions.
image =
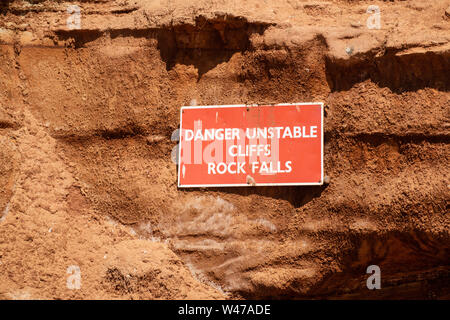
(89, 105)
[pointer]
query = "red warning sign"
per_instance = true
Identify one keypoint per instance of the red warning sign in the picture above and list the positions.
(242, 145)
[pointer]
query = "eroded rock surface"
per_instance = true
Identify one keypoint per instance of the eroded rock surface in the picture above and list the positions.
(87, 116)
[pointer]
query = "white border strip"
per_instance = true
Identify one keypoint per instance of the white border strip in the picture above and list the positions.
(245, 184)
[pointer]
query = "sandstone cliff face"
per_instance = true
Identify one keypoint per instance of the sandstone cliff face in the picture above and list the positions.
(87, 116)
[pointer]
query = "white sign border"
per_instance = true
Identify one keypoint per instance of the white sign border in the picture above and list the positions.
(257, 184)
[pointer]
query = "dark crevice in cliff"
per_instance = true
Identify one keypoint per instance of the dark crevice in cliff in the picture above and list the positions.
(400, 73)
(108, 134)
(380, 137)
(207, 43)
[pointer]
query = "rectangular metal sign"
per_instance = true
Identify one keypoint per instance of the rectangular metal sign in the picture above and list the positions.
(243, 145)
